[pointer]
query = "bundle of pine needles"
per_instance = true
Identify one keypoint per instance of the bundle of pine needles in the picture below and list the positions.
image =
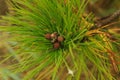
(53, 40)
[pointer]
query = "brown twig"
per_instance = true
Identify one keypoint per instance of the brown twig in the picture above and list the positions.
(108, 19)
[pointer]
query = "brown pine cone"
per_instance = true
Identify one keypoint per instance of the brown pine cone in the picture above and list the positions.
(56, 45)
(48, 36)
(60, 38)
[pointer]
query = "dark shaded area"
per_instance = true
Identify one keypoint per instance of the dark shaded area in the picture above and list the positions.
(103, 7)
(3, 7)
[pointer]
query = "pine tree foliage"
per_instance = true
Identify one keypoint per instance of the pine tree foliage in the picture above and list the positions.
(84, 53)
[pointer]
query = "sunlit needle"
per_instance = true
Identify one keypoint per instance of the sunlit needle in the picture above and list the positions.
(70, 72)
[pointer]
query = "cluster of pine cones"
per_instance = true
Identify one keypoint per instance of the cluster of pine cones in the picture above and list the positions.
(55, 38)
